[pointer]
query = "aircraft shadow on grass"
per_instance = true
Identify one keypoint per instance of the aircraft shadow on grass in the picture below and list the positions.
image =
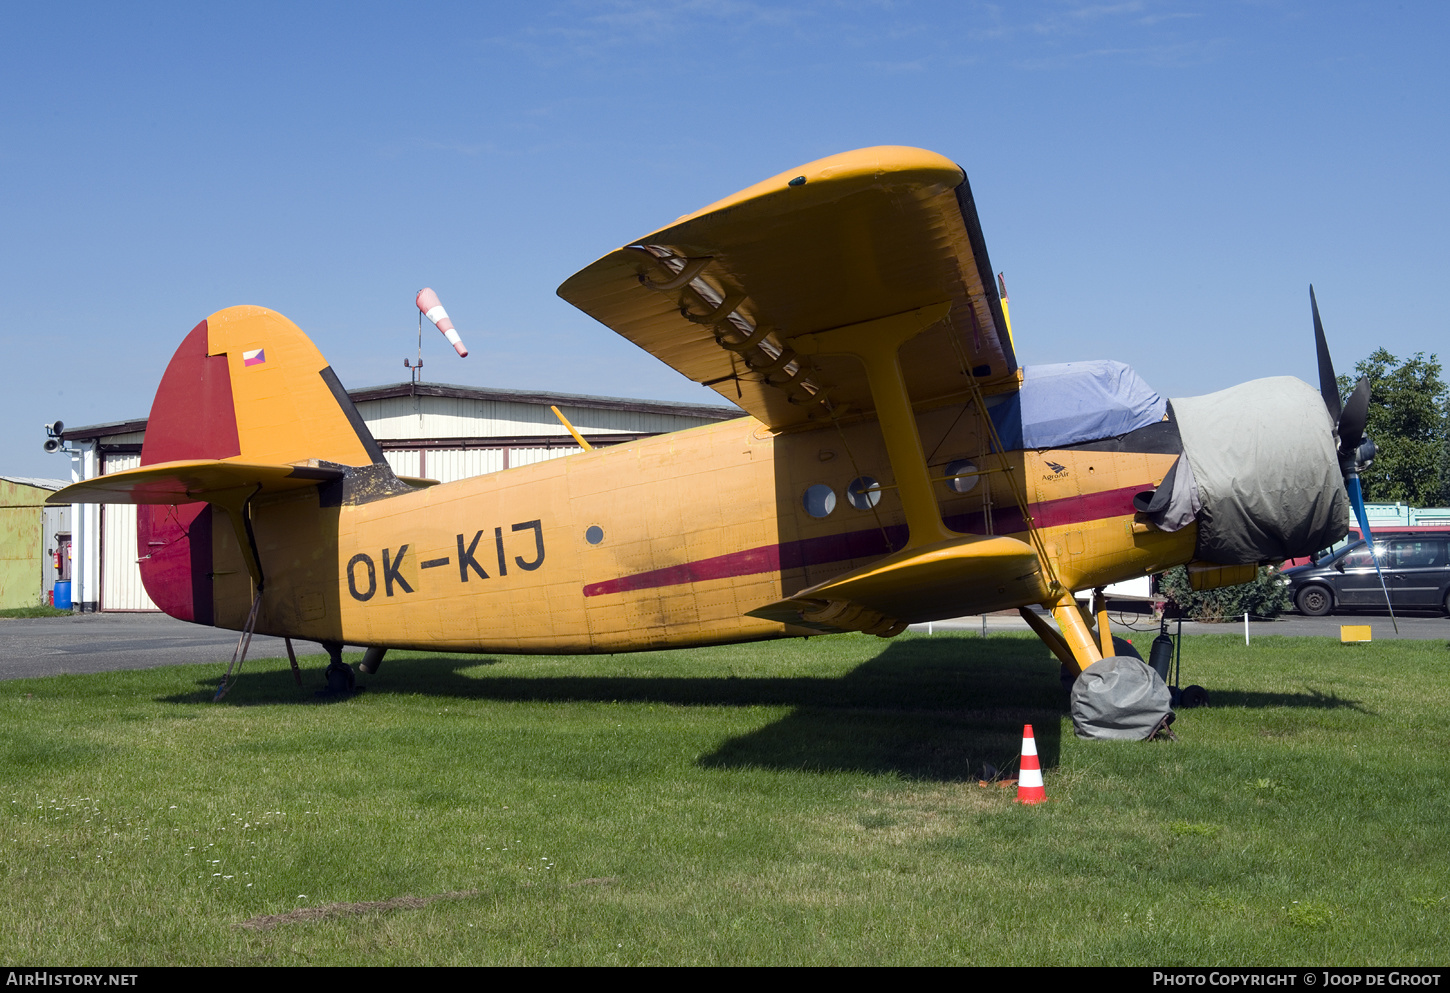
(1310, 698)
(934, 709)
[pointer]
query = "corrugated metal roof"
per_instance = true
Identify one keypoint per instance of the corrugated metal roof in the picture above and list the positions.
(38, 482)
(708, 412)
(103, 430)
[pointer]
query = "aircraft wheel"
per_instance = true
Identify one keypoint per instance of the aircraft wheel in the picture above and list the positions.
(340, 678)
(1314, 601)
(1193, 696)
(1124, 647)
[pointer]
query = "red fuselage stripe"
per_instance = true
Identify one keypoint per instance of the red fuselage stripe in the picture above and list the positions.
(867, 544)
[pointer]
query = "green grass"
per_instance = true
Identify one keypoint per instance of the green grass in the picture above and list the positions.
(790, 802)
(40, 610)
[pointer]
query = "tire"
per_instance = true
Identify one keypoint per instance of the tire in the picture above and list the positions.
(1314, 601)
(1193, 696)
(1124, 647)
(340, 679)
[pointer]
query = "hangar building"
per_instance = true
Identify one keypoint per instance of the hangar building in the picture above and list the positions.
(430, 430)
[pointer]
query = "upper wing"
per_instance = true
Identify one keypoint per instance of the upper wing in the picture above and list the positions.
(720, 293)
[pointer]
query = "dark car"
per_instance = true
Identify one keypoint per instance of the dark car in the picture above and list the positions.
(1416, 574)
(1380, 533)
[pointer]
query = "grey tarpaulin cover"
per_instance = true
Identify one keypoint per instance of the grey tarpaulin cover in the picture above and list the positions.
(1175, 503)
(1118, 698)
(1264, 464)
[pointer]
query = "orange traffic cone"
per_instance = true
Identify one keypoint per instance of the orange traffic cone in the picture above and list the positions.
(1029, 778)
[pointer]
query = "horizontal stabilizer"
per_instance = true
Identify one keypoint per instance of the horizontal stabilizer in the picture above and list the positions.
(966, 575)
(191, 481)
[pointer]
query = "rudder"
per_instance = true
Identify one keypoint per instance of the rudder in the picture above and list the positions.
(245, 385)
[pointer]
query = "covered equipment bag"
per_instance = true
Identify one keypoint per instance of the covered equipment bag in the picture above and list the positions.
(1119, 698)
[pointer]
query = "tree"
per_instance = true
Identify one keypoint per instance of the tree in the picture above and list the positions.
(1267, 595)
(1409, 420)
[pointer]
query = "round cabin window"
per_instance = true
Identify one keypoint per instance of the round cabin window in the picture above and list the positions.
(962, 483)
(819, 500)
(863, 492)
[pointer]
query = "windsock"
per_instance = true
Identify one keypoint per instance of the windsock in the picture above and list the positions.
(433, 310)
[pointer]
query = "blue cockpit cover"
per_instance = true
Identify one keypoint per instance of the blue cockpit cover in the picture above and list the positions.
(1074, 402)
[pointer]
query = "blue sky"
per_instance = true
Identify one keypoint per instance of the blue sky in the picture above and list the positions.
(1160, 180)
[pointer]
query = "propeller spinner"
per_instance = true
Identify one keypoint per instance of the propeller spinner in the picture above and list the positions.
(1356, 449)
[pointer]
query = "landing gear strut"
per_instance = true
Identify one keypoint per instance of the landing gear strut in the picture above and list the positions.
(341, 680)
(1167, 654)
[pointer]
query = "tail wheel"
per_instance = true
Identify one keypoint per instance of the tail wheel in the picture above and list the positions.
(1193, 696)
(1314, 601)
(340, 678)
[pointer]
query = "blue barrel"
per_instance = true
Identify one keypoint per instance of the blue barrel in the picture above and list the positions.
(62, 594)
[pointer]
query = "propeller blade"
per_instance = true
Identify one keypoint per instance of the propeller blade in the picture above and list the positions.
(1353, 419)
(1356, 498)
(1328, 384)
(1355, 450)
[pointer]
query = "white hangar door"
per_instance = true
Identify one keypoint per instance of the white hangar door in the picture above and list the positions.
(121, 587)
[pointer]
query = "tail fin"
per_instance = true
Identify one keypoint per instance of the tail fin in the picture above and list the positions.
(248, 385)
(248, 405)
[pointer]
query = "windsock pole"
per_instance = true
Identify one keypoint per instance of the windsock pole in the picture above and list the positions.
(432, 309)
(1029, 776)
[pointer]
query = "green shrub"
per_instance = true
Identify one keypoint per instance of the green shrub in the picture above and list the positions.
(1266, 596)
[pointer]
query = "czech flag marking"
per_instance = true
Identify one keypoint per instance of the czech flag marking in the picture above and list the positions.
(255, 357)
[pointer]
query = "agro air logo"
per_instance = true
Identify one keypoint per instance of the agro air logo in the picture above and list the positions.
(1058, 471)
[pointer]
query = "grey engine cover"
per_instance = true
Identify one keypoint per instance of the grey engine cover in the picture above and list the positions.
(1265, 469)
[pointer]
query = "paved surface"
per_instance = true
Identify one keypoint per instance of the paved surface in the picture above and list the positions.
(52, 646)
(1421, 627)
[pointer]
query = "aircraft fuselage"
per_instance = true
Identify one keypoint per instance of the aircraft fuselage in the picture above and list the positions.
(667, 542)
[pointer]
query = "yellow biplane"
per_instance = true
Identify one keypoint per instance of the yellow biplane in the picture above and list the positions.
(896, 466)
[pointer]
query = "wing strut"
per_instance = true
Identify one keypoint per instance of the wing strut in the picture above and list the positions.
(1076, 641)
(1053, 584)
(876, 344)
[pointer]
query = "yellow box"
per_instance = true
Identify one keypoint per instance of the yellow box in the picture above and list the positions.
(1353, 632)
